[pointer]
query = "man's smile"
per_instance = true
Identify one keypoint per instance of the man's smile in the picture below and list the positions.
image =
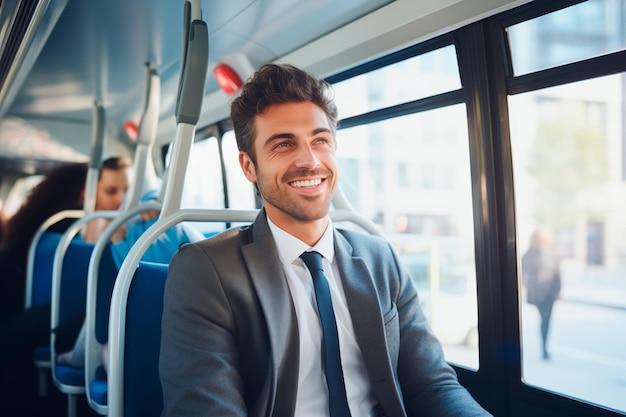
(306, 183)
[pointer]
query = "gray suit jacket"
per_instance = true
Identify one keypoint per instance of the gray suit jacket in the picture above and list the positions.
(230, 338)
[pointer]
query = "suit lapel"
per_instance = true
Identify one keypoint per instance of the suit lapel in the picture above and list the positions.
(275, 298)
(364, 304)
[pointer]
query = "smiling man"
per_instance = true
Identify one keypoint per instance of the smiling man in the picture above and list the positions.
(294, 167)
(292, 316)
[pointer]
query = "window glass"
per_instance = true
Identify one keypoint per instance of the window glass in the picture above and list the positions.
(203, 182)
(418, 77)
(240, 191)
(411, 175)
(570, 192)
(588, 29)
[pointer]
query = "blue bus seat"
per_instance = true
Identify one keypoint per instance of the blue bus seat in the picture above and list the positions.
(107, 273)
(41, 257)
(39, 292)
(41, 280)
(101, 280)
(98, 386)
(69, 303)
(144, 308)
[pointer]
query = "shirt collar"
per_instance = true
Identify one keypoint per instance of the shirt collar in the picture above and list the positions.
(290, 247)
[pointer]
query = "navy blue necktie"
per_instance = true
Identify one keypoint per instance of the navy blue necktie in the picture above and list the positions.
(338, 403)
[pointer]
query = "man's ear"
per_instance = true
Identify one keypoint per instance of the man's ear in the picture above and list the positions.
(247, 166)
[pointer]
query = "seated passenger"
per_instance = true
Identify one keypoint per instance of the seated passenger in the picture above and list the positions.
(161, 250)
(61, 189)
(28, 329)
(241, 334)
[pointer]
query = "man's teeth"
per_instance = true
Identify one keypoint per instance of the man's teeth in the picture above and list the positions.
(307, 183)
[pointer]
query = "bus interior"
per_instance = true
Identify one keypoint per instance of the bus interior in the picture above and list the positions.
(464, 127)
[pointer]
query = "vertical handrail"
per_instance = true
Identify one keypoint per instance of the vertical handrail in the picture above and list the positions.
(97, 149)
(142, 164)
(188, 105)
(146, 137)
(194, 65)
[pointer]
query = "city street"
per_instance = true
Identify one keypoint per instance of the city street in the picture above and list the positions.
(587, 344)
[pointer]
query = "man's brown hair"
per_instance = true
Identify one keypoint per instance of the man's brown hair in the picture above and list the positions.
(277, 84)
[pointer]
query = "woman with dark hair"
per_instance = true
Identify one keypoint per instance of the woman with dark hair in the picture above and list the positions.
(61, 189)
(23, 330)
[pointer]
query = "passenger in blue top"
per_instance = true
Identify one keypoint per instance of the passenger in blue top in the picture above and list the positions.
(163, 247)
(161, 251)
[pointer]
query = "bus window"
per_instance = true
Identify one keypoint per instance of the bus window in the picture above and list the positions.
(421, 76)
(204, 186)
(567, 148)
(240, 191)
(411, 175)
(203, 182)
(588, 29)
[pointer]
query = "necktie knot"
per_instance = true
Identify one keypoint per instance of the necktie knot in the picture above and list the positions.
(312, 260)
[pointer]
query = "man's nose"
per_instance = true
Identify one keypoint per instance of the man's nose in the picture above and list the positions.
(307, 157)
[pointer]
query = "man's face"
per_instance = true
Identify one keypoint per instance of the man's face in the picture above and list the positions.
(296, 167)
(112, 187)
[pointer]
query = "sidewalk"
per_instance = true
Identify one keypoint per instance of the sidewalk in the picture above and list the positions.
(609, 293)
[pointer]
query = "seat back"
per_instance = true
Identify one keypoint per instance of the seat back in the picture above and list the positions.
(73, 295)
(68, 309)
(144, 308)
(69, 297)
(102, 270)
(41, 258)
(107, 272)
(100, 280)
(134, 388)
(39, 290)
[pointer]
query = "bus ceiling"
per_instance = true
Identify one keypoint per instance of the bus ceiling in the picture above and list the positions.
(60, 56)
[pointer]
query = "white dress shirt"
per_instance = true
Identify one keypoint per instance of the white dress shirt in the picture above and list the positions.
(312, 398)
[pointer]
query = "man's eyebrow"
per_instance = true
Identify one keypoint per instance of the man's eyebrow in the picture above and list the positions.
(285, 135)
(276, 136)
(320, 130)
